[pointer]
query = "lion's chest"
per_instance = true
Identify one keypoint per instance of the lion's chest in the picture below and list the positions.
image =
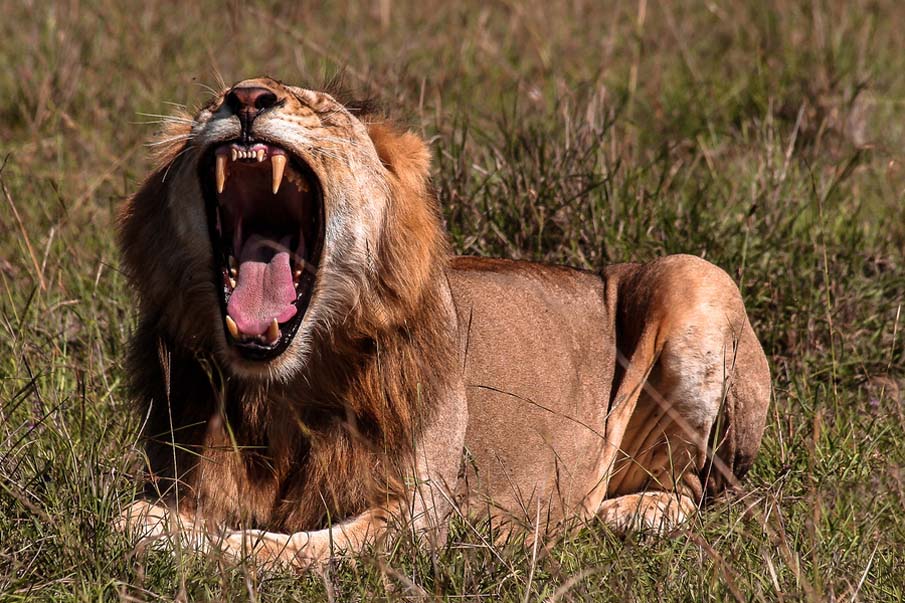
(275, 478)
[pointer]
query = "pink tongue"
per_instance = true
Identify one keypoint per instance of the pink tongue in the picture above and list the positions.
(264, 289)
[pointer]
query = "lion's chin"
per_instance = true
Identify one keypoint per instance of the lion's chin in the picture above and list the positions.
(265, 216)
(282, 368)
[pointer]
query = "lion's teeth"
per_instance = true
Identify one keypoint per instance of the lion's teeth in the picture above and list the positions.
(233, 154)
(231, 325)
(278, 163)
(273, 331)
(299, 181)
(260, 155)
(296, 275)
(221, 173)
(232, 283)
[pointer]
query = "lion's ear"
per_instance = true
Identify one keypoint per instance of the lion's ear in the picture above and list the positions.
(405, 154)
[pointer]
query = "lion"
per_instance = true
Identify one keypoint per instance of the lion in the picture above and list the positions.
(316, 369)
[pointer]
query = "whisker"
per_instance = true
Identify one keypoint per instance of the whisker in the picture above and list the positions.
(166, 141)
(220, 81)
(167, 118)
(207, 88)
(160, 121)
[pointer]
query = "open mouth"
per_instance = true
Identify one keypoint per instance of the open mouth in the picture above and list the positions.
(265, 214)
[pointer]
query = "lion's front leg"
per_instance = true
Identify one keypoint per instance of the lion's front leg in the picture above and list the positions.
(155, 524)
(301, 550)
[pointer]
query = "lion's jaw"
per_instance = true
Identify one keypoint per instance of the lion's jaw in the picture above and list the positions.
(287, 211)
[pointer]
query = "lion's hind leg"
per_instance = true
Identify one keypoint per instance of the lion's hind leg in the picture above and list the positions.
(708, 381)
(664, 445)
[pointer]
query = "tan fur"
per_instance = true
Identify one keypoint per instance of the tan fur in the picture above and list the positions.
(625, 395)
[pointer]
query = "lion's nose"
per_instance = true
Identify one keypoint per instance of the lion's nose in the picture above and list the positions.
(252, 98)
(248, 102)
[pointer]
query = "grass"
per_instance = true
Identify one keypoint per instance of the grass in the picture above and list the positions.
(766, 137)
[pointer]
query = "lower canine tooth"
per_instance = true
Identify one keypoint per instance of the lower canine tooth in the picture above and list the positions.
(278, 163)
(221, 173)
(273, 331)
(231, 325)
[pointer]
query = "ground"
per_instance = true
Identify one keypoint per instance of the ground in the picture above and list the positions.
(766, 137)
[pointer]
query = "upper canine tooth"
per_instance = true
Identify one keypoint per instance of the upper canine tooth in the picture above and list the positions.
(221, 173)
(278, 163)
(231, 325)
(260, 155)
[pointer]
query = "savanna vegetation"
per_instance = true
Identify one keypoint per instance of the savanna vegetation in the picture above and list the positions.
(767, 137)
